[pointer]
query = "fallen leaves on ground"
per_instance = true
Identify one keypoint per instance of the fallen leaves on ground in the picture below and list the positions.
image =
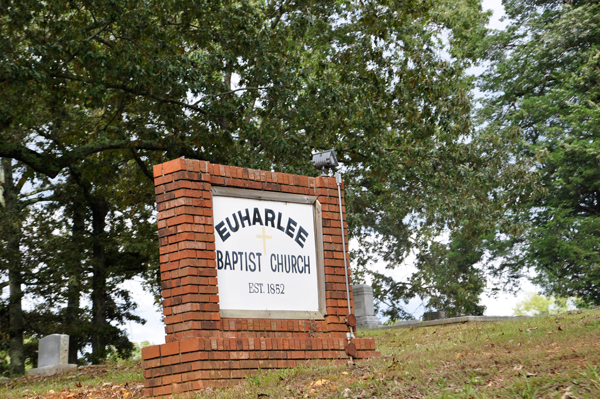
(318, 383)
(106, 390)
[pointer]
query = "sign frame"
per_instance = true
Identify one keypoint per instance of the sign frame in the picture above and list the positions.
(220, 191)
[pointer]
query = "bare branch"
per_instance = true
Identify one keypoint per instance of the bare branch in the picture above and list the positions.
(25, 204)
(34, 192)
(129, 90)
(230, 92)
(51, 165)
(142, 165)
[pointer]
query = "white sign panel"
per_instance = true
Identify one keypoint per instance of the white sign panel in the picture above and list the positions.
(266, 256)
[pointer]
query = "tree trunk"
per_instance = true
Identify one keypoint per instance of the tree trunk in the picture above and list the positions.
(225, 122)
(74, 288)
(99, 294)
(15, 310)
(100, 328)
(72, 318)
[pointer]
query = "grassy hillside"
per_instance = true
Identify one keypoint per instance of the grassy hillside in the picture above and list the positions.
(545, 357)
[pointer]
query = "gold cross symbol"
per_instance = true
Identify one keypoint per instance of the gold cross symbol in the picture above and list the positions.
(264, 237)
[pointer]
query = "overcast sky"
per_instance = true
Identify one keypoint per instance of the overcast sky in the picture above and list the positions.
(498, 9)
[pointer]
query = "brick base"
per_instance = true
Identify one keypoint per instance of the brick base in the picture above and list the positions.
(197, 363)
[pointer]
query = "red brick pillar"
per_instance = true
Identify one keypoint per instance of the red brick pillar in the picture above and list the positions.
(187, 249)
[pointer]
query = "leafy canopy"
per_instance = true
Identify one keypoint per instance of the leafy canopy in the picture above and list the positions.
(543, 89)
(260, 84)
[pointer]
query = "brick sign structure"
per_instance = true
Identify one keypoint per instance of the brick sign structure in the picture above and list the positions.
(266, 244)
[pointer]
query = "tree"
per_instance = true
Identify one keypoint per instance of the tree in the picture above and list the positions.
(539, 305)
(448, 278)
(543, 90)
(12, 216)
(15, 208)
(140, 82)
(101, 233)
(72, 84)
(122, 245)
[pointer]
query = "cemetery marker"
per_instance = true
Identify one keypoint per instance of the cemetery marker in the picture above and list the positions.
(53, 356)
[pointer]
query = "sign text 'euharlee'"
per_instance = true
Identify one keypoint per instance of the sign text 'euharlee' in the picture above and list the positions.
(266, 255)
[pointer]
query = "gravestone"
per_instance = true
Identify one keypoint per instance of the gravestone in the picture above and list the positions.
(53, 356)
(427, 316)
(363, 306)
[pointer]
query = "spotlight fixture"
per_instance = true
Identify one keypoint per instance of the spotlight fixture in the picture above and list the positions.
(324, 160)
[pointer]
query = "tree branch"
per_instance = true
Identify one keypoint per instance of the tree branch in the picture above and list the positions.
(230, 92)
(51, 165)
(142, 165)
(25, 204)
(23, 179)
(129, 90)
(280, 13)
(34, 192)
(43, 163)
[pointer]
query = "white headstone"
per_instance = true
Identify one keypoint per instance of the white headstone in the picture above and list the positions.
(53, 356)
(53, 350)
(363, 307)
(437, 315)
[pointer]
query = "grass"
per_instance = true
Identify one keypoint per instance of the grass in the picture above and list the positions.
(113, 380)
(544, 357)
